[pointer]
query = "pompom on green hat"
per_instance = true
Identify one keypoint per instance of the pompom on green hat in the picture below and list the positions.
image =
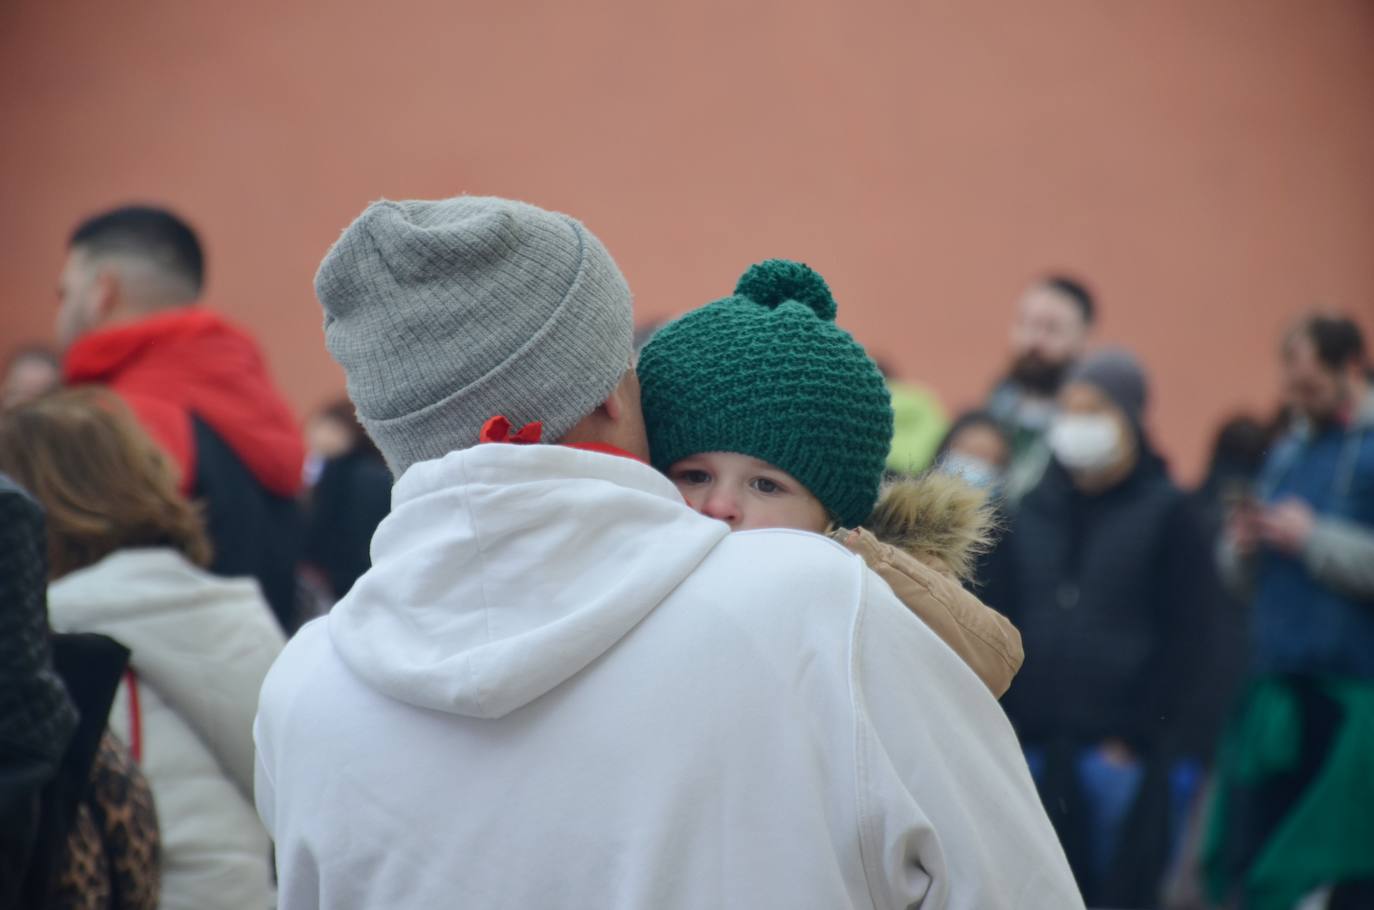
(767, 373)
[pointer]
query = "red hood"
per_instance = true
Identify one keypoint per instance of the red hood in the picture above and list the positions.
(192, 361)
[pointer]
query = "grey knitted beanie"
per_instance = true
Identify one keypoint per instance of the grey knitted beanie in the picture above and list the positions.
(1119, 375)
(445, 314)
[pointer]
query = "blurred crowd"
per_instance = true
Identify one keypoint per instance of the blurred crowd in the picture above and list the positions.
(1195, 701)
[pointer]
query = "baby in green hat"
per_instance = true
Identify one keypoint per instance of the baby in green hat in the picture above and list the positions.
(768, 415)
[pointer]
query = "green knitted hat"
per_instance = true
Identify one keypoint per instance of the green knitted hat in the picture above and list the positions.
(767, 373)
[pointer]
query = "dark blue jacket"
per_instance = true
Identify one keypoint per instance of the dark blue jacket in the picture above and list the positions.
(1314, 613)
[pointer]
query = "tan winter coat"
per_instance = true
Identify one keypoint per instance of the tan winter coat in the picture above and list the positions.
(931, 530)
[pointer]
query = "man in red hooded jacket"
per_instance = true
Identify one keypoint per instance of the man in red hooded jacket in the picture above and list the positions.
(129, 319)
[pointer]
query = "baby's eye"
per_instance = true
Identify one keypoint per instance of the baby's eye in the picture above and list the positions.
(764, 485)
(693, 477)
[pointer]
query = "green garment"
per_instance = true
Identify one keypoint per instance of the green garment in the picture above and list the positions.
(1314, 739)
(920, 426)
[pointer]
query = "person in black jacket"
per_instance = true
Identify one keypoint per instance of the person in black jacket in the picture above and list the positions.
(1104, 570)
(77, 823)
(37, 717)
(349, 499)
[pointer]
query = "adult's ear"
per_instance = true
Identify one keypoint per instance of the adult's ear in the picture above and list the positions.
(614, 405)
(105, 295)
(624, 398)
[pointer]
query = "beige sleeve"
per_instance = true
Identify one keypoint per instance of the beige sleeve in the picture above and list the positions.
(1340, 554)
(984, 638)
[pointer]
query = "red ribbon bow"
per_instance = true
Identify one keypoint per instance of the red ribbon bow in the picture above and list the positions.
(498, 429)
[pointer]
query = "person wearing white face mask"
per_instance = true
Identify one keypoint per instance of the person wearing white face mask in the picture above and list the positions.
(978, 451)
(1106, 572)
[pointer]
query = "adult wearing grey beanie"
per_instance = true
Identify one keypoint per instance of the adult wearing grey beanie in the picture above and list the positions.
(1100, 438)
(1105, 570)
(445, 314)
(1118, 374)
(516, 696)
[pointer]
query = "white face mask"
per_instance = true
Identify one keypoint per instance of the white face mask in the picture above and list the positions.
(1085, 443)
(973, 471)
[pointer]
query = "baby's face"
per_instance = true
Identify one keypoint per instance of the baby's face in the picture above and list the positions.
(746, 493)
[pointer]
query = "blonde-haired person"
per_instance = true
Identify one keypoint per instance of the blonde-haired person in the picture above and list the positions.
(126, 552)
(767, 415)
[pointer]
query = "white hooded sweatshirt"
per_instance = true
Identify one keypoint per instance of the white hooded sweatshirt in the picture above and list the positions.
(559, 686)
(200, 646)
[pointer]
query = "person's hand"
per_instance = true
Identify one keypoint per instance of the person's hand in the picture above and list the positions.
(1288, 526)
(1243, 529)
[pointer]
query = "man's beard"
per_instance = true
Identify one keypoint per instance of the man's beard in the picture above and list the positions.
(1037, 375)
(1335, 414)
(1334, 411)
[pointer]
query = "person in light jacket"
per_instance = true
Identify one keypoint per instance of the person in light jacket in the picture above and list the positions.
(558, 683)
(125, 556)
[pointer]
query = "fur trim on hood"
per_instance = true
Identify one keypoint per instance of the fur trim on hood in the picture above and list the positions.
(937, 518)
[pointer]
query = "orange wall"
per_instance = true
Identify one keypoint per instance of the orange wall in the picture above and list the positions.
(1208, 166)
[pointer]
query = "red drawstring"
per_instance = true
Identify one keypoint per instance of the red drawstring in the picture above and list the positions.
(498, 429)
(135, 716)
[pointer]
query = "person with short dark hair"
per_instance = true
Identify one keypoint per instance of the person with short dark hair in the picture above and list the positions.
(1055, 318)
(166, 247)
(1076, 292)
(1300, 549)
(1305, 546)
(130, 319)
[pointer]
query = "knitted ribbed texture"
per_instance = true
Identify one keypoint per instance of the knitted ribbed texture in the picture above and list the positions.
(444, 314)
(1119, 375)
(37, 717)
(767, 373)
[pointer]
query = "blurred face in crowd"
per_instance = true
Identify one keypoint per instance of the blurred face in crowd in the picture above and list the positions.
(1091, 436)
(1317, 391)
(747, 493)
(982, 442)
(329, 437)
(1049, 335)
(978, 454)
(29, 376)
(84, 297)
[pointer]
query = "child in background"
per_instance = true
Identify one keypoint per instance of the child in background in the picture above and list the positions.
(978, 450)
(767, 415)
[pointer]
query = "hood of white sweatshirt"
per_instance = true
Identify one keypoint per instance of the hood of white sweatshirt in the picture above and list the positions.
(502, 571)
